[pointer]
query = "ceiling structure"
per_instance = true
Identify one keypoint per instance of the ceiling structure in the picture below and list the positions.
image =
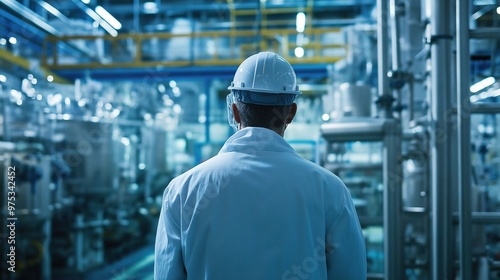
(31, 22)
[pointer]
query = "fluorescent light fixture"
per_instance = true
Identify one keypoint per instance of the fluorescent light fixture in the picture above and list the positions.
(482, 84)
(484, 95)
(496, 93)
(51, 9)
(103, 23)
(301, 22)
(150, 7)
(108, 17)
(13, 40)
(299, 52)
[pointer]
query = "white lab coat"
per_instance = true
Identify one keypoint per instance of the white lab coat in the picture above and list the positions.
(258, 211)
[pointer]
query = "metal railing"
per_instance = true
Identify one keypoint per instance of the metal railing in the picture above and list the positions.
(205, 48)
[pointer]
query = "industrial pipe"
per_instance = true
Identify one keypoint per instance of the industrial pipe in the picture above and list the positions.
(440, 188)
(463, 135)
(385, 97)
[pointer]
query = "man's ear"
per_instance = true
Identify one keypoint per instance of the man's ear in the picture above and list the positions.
(292, 113)
(236, 113)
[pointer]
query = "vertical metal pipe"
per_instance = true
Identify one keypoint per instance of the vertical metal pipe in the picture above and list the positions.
(79, 246)
(463, 122)
(382, 56)
(392, 172)
(395, 35)
(258, 25)
(193, 40)
(411, 98)
(207, 86)
(46, 261)
(395, 45)
(137, 28)
(6, 117)
(441, 51)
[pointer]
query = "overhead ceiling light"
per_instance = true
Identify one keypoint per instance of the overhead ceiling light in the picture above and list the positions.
(51, 9)
(86, 1)
(482, 84)
(108, 17)
(103, 23)
(150, 7)
(301, 22)
(3, 41)
(13, 40)
(498, 10)
(3, 79)
(299, 52)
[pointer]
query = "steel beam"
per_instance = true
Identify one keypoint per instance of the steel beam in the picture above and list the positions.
(383, 57)
(485, 33)
(392, 177)
(484, 108)
(441, 87)
(463, 135)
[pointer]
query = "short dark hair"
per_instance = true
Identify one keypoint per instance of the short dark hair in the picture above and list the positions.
(267, 116)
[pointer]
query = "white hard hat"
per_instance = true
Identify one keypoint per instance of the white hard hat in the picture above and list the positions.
(266, 73)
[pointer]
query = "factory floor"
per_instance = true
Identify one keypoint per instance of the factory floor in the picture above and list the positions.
(136, 266)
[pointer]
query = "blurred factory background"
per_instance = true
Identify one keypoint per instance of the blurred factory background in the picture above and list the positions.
(103, 102)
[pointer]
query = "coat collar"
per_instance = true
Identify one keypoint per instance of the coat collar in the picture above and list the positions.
(256, 139)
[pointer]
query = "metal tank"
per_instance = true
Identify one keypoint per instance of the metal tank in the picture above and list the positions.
(88, 149)
(415, 178)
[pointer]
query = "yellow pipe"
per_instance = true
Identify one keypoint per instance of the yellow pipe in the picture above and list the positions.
(25, 64)
(240, 33)
(232, 17)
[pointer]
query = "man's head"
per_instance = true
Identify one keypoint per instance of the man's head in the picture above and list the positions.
(263, 93)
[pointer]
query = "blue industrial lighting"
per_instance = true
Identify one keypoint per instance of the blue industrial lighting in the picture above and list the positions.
(52, 10)
(482, 84)
(13, 25)
(108, 17)
(102, 22)
(150, 8)
(301, 22)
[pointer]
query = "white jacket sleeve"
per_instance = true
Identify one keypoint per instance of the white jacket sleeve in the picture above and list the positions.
(168, 253)
(345, 245)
